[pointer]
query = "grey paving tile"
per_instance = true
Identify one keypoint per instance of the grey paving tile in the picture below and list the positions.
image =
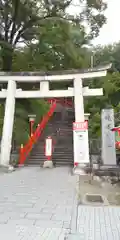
(99, 222)
(22, 222)
(38, 216)
(61, 217)
(4, 218)
(49, 223)
(30, 198)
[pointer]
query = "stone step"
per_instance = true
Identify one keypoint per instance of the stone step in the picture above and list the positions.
(54, 157)
(54, 153)
(33, 162)
(58, 146)
(63, 147)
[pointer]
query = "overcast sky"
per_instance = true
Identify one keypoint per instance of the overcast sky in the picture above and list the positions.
(111, 31)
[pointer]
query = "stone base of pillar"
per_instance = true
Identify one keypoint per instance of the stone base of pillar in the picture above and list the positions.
(48, 164)
(21, 165)
(80, 170)
(82, 165)
(7, 168)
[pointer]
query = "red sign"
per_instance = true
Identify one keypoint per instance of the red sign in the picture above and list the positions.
(80, 125)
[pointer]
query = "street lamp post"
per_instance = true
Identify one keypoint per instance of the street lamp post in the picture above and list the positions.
(90, 50)
(31, 121)
(92, 60)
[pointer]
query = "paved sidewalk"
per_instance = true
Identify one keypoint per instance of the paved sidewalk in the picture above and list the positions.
(36, 203)
(98, 223)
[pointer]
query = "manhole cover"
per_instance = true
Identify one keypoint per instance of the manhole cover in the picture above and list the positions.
(94, 198)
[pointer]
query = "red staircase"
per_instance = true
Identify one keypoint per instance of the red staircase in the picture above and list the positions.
(26, 149)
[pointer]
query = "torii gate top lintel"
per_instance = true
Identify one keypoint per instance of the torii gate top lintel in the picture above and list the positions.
(64, 75)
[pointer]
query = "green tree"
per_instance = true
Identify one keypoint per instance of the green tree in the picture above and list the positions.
(19, 23)
(21, 19)
(53, 38)
(111, 98)
(93, 13)
(21, 123)
(57, 48)
(110, 53)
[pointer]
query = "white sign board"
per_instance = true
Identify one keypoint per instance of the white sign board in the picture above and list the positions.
(48, 147)
(81, 146)
(108, 137)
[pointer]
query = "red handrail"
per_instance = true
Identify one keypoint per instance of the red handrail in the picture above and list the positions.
(26, 149)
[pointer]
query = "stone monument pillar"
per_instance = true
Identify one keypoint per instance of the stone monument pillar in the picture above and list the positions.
(108, 137)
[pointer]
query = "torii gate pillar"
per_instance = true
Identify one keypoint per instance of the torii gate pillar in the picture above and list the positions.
(78, 100)
(8, 123)
(79, 118)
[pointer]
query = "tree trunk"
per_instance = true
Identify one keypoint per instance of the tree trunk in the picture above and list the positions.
(7, 55)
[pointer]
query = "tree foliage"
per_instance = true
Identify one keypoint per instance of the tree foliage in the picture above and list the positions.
(110, 85)
(93, 13)
(20, 21)
(52, 39)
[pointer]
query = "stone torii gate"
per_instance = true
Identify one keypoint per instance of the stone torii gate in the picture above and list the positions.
(11, 93)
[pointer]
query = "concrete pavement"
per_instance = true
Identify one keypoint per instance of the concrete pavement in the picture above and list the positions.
(98, 223)
(36, 203)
